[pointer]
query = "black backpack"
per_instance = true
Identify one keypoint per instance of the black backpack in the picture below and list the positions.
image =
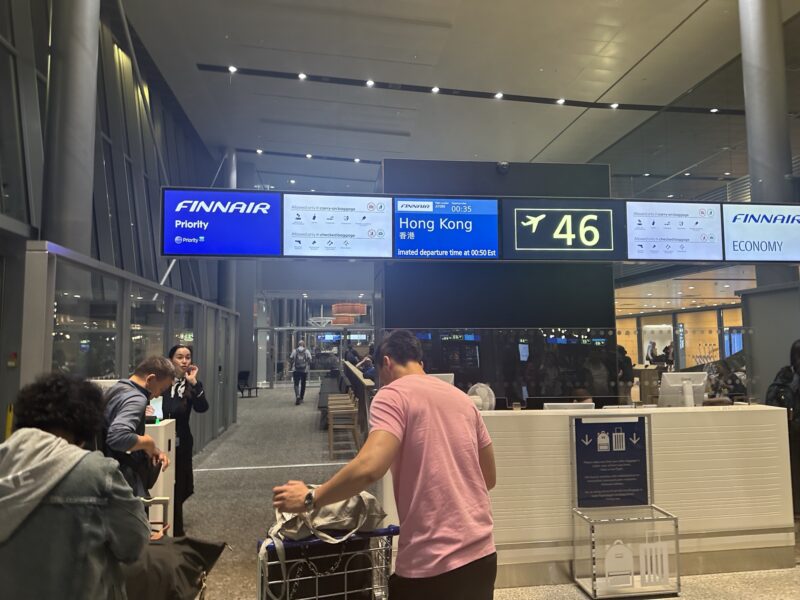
(781, 393)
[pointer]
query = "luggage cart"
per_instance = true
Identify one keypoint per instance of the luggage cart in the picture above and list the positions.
(357, 569)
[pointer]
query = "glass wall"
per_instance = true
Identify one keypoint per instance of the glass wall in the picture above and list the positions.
(85, 324)
(13, 199)
(698, 338)
(148, 324)
(657, 337)
(628, 338)
(183, 323)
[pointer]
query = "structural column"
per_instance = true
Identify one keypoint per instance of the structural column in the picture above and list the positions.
(226, 286)
(766, 113)
(70, 133)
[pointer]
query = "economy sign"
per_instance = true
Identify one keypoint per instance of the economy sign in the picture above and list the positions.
(553, 229)
(762, 232)
(220, 223)
(441, 228)
(611, 462)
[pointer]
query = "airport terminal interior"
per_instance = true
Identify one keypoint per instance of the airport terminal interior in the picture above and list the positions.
(586, 213)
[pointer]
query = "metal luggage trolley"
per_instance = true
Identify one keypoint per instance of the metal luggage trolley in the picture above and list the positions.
(357, 569)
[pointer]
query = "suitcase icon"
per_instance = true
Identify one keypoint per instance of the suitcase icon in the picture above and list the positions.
(618, 440)
(654, 561)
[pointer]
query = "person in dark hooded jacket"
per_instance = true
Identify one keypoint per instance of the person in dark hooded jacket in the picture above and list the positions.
(69, 519)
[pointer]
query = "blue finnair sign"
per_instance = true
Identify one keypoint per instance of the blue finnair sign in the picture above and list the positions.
(221, 223)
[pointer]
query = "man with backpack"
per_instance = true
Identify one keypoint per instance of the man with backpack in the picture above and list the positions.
(784, 392)
(125, 438)
(300, 361)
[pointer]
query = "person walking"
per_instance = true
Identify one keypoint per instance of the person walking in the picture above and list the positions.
(300, 361)
(126, 404)
(69, 520)
(185, 395)
(442, 459)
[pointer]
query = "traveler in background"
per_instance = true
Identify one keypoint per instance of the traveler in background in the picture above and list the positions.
(68, 516)
(351, 355)
(785, 392)
(367, 368)
(126, 402)
(186, 394)
(669, 354)
(300, 361)
(625, 374)
(442, 461)
(652, 353)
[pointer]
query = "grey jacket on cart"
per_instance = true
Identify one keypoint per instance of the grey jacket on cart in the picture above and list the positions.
(68, 520)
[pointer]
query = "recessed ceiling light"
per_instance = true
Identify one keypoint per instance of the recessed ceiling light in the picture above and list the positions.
(691, 287)
(668, 302)
(232, 69)
(259, 151)
(647, 175)
(615, 105)
(650, 294)
(302, 76)
(561, 101)
(309, 156)
(370, 83)
(727, 173)
(292, 181)
(714, 110)
(498, 96)
(313, 190)
(680, 293)
(670, 195)
(357, 160)
(694, 301)
(435, 89)
(687, 174)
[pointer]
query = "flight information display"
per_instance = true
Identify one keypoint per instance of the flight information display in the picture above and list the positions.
(563, 228)
(674, 231)
(220, 223)
(762, 232)
(337, 226)
(445, 228)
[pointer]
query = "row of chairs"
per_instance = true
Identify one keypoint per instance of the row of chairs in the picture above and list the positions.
(343, 417)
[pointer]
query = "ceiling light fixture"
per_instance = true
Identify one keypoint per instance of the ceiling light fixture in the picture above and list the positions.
(691, 287)
(727, 173)
(561, 101)
(714, 110)
(370, 83)
(232, 69)
(687, 174)
(727, 285)
(670, 195)
(356, 160)
(292, 181)
(435, 89)
(615, 105)
(498, 96)
(259, 151)
(309, 156)
(646, 175)
(302, 76)
(313, 190)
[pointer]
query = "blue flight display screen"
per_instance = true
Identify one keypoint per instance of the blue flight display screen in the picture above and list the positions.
(445, 228)
(220, 223)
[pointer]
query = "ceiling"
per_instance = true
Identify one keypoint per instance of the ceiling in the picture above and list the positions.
(713, 288)
(604, 51)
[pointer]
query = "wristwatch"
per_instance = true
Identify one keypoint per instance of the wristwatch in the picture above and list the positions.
(309, 500)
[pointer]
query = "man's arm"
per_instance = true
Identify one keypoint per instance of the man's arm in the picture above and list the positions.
(369, 466)
(488, 467)
(122, 435)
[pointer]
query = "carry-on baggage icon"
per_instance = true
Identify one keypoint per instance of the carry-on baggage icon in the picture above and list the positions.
(618, 440)
(654, 560)
(619, 565)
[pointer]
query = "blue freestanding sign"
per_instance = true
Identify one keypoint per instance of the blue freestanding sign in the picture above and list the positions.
(611, 462)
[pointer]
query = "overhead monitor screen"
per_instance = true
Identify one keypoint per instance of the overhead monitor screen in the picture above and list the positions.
(220, 223)
(762, 232)
(337, 226)
(674, 231)
(563, 228)
(433, 228)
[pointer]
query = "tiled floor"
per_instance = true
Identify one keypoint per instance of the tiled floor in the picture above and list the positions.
(235, 505)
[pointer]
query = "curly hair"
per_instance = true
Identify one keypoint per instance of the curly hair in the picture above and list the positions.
(60, 402)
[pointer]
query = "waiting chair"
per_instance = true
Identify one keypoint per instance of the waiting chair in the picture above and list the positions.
(342, 416)
(243, 384)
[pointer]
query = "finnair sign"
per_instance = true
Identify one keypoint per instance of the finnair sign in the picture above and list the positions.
(198, 206)
(762, 232)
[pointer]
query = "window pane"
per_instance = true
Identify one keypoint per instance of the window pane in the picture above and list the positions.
(85, 329)
(40, 19)
(12, 190)
(698, 337)
(5, 21)
(184, 317)
(148, 320)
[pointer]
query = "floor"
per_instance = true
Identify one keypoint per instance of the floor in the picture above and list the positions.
(235, 474)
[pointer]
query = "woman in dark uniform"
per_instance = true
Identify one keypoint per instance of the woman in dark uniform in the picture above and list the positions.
(185, 394)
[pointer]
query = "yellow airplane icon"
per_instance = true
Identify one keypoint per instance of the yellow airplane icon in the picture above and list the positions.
(533, 222)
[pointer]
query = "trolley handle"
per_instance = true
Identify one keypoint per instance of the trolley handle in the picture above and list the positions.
(390, 531)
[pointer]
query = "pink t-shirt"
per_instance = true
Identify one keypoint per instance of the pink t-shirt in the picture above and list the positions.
(445, 513)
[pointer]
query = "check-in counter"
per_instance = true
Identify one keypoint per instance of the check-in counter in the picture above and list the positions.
(163, 433)
(723, 471)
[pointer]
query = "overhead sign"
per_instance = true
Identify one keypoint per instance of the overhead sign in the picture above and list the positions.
(674, 231)
(564, 228)
(432, 228)
(611, 462)
(220, 223)
(337, 226)
(762, 232)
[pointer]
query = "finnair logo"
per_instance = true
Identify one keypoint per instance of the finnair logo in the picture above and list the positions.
(195, 206)
(765, 218)
(414, 206)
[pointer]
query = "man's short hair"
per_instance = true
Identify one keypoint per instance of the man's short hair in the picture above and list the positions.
(58, 402)
(401, 346)
(159, 366)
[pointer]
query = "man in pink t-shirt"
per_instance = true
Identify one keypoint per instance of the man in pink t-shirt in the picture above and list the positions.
(442, 461)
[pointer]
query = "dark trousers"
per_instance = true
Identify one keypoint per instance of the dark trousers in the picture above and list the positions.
(473, 581)
(300, 378)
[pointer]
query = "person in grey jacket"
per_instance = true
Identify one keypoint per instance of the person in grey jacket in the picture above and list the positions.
(126, 403)
(69, 519)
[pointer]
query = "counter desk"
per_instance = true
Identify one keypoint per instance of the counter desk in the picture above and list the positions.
(723, 471)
